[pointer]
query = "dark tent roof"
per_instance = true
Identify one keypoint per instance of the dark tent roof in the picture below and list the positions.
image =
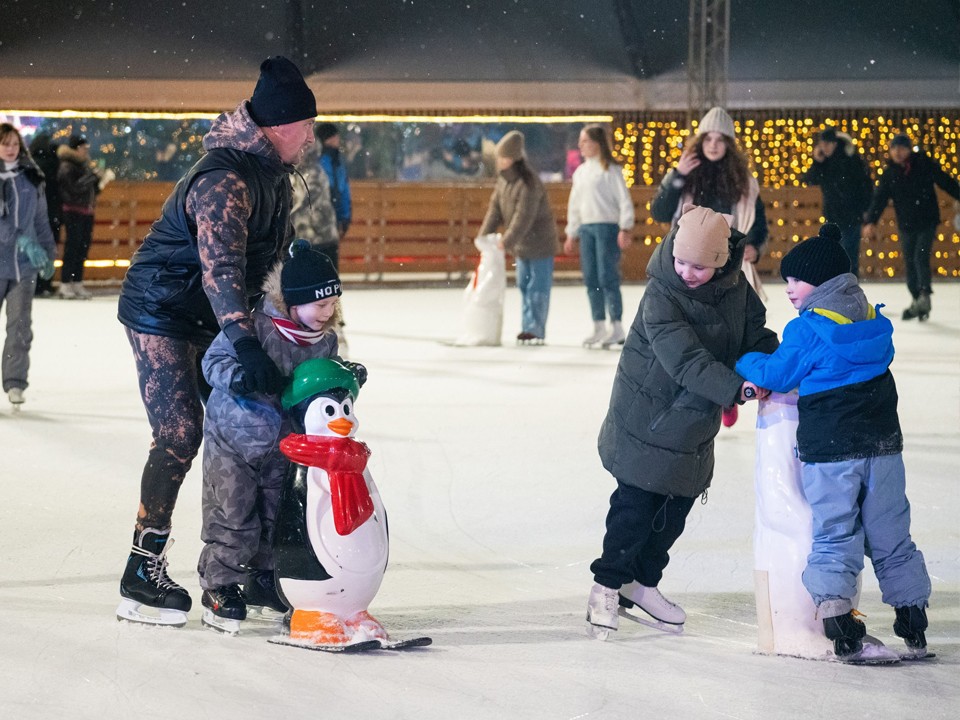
(520, 54)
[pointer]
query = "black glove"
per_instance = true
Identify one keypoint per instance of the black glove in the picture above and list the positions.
(261, 374)
(358, 370)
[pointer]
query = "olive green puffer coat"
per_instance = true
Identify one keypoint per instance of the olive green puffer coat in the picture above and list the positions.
(675, 374)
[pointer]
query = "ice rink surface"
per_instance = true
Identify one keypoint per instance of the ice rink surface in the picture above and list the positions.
(486, 460)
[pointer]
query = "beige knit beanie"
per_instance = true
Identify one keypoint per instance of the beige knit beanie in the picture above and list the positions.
(702, 237)
(511, 145)
(717, 120)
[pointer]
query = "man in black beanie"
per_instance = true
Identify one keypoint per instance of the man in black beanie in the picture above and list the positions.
(200, 269)
(909, 179)
(838, 352)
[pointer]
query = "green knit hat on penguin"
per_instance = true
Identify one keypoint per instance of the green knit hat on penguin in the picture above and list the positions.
(317, 376)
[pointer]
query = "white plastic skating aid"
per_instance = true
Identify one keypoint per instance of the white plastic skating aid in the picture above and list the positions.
(132, 611)
(219, 624)
(602, 614)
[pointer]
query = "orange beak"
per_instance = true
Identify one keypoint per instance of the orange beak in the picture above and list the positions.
(341, 426)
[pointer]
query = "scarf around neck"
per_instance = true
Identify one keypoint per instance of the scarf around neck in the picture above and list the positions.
(344, 460)
(295, 333)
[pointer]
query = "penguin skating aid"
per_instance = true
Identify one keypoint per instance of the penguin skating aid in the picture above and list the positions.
(331, 541)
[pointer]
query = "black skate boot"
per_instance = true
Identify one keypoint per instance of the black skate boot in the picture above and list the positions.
(910, 624)
(913, 311)
(149, 595)
(224, 608)
(923, 306)
(263, 599)
(847, 632)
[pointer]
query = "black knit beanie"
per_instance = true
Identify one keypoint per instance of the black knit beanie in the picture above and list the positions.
(281, 96)
(307, 276)
(817, 259)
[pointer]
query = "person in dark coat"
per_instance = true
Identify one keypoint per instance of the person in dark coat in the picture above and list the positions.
(909, 179)
(44, 152)
(199, 271)
(846, 186)
(697, 316)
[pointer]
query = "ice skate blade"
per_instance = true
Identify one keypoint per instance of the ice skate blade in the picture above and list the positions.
(406, 644)
(359, 647)
(872, 653)
(264, 614)
(652, 622)
(909, 655)
(597, 632)
(129, 611)
(219, 624)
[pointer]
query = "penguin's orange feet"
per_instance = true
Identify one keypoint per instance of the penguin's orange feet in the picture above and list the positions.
(319, 628)
(365, 625)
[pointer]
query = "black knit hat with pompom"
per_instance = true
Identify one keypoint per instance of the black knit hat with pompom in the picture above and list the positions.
(308, 275)
(817, 259)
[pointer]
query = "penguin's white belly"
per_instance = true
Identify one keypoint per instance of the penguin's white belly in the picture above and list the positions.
(355, 562)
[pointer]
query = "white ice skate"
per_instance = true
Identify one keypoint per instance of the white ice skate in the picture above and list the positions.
(597, 336)
(15, 396)
(664, 615)
(614, 337)
(134, 611)
(602, 612)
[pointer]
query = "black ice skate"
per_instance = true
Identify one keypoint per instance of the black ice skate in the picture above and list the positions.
(910, 624)
(852, 645)
(263, 600)
(223, 609)
(149, 595)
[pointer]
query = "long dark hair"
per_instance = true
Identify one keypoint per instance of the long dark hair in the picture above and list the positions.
(525, 172)
(598, 134)
(727, 179)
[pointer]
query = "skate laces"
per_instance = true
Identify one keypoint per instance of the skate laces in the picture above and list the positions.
(157, 566)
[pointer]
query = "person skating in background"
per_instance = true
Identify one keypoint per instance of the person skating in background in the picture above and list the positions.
(600, 216)
(838, 351)
(714, 173)
(199, 271)
(44, 153)
(909, 179)
(520, 205)
(243, 468)
(80, 182)
(314, 217)
(697, 316)
(846, 186)
(331, 160)
(27, 250)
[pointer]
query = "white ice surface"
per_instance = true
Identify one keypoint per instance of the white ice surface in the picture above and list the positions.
(486, 459)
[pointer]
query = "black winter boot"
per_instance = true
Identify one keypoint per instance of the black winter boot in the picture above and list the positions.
(847, 632)
(910, 625)
(145, 578)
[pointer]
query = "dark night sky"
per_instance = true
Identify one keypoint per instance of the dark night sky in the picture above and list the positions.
(472, 39)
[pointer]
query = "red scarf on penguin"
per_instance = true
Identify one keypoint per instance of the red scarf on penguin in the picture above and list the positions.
(344, 460)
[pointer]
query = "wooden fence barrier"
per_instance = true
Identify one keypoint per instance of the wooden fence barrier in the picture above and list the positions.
(401, 229)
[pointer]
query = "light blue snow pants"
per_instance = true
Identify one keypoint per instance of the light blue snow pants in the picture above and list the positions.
(860, 508)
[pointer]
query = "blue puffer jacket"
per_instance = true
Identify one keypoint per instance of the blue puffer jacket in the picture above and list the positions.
(848, 399)
(23, 211)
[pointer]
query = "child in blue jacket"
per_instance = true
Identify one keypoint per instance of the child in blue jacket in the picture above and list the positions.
(839, 352)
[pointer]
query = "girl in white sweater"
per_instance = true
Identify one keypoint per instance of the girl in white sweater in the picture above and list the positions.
(600, 216)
